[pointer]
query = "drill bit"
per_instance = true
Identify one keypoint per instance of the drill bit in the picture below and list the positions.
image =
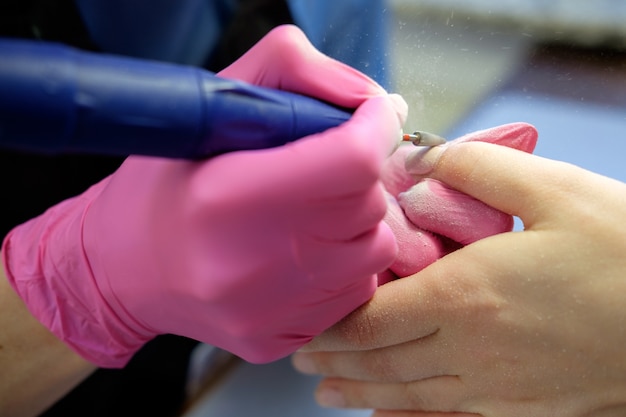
(423, 139)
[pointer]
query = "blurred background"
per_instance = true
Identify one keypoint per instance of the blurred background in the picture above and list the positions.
(449, 55)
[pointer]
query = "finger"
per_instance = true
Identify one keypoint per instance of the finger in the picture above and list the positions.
(520, 136)
(492, 174)
(440, 394)
(417, 360)
(399, 311)
(433, 206)
(511, 181)
(343, 219)
(503, 178)
(285, 59)
(333, 265)
(388, 413)
(439, 297)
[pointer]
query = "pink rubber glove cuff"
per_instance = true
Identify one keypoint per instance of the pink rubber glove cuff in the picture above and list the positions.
(41, 280)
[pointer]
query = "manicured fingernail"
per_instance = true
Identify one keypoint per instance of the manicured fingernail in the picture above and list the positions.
(303, 363)
(330, 397)
(423, 161)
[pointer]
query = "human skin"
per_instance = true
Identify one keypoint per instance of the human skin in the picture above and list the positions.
(37, 368)
(521, 324)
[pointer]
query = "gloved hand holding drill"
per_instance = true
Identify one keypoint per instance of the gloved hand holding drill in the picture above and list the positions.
(252, 251)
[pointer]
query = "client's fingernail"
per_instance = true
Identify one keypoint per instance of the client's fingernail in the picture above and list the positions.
(330, 397)
(303, 363)
(423, 161)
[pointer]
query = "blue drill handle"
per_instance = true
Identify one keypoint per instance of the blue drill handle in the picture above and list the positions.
(55, 99)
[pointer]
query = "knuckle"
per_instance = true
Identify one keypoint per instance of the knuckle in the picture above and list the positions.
(286, 42)
(363, 158)
(361, 333)
(417, 398)
(285, 35)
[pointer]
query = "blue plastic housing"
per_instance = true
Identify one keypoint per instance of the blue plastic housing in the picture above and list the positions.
(56, 99)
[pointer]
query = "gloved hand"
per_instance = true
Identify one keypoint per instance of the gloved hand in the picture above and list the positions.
(254, 251)
(430, 219)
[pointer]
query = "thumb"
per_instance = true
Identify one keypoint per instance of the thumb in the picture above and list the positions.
(504, 178)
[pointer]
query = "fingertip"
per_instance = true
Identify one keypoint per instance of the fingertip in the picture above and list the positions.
(287, 31)
(303, 362)
(330, 397)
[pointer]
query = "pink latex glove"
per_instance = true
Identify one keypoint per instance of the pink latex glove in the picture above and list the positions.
(431, 219)
(254, 251)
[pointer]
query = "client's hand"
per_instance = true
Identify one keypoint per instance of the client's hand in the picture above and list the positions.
(521, 324)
